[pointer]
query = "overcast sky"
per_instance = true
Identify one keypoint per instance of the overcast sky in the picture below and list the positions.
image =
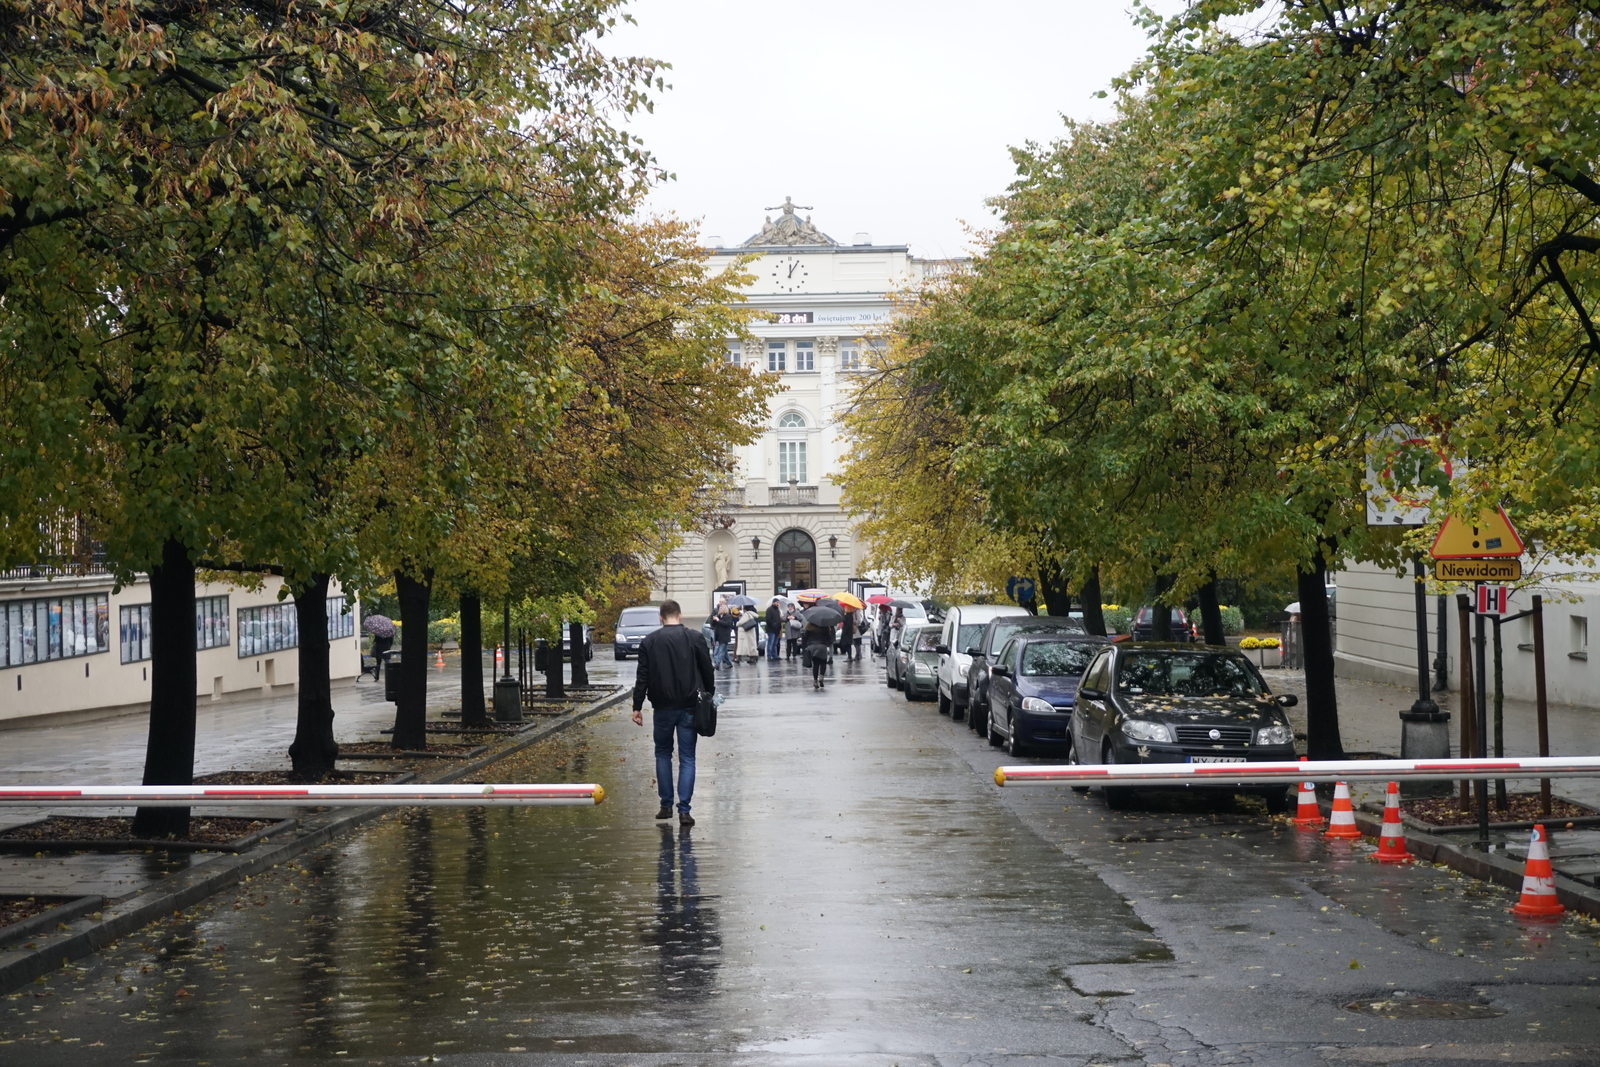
(890, 117)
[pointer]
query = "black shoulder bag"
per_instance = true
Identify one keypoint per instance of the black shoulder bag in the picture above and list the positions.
(705, 714)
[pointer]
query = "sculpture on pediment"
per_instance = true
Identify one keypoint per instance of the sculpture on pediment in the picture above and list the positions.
(790, 229)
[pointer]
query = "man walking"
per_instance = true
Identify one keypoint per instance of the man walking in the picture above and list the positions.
(674, 668)
(775, 627)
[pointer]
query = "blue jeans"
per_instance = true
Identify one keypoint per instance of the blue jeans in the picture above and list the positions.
(772, 646)
(680, 721)
(719, 654)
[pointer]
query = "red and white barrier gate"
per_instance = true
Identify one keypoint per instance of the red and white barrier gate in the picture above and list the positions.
(300, 796)
(1385, 770)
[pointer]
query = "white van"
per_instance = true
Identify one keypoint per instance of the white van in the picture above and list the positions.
(963, 627)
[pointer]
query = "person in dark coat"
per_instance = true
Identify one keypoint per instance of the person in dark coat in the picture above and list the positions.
(775, 626)
(723, 624)
(674, 669)
(847, 633)
(818, 641)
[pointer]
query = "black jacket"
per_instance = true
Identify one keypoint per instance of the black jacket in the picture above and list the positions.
(774, 620)
(722, 625)
(674, 667)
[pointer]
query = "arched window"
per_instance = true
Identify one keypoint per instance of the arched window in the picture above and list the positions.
(792, 420)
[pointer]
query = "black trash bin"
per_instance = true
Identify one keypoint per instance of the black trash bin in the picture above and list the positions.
(391, 665)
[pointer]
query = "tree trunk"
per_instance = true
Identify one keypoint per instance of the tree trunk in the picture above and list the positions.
(473, 712)
(169, 750)
(1316, 641)
(580, 669)
(1053, 590)
(411, 684)
(1211, 614)
(314, 750)
(1160, 612)
(1094, 620)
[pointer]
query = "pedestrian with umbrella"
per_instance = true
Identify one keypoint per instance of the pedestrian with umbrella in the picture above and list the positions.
(817, 637)
(796, 626)
(745, 647)
(381, 627)
(847, 632)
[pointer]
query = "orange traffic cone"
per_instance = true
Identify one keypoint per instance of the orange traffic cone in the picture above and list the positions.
(1342, 824)
(1392, 842)
(1538, 882)
(439, 662)
(1308, 816)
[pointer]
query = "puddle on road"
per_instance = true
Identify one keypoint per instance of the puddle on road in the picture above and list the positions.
(1401, 1006)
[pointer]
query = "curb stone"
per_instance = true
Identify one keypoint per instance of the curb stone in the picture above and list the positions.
(86, 936)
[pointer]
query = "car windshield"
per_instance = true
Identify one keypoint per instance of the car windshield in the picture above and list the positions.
(1187, 674)
(909, 636)
(1009, 627)
(639, 617)
(1055, 659)
(967, 636)
(928, 640)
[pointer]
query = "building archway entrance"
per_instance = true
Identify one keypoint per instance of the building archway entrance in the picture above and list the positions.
(794, 561)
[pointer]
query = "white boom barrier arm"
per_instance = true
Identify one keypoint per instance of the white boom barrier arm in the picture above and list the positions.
(307, 796)
(1285, 773)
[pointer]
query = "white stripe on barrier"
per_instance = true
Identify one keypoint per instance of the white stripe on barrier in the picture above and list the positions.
(320, 796)
(1396, 770)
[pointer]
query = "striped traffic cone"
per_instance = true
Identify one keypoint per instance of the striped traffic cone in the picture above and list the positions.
(439, 663)
(1538, 882)
(1342, 823)
(1309, 815)
(1392, 842)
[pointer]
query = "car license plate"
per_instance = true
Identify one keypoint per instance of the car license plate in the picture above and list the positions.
(1217, 759)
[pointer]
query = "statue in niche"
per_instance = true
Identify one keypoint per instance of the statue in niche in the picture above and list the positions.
(722, 565)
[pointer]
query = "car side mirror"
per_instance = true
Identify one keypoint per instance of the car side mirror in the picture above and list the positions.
(943, 650)
(1091, 694)
(1000, 668)
(1286, 700)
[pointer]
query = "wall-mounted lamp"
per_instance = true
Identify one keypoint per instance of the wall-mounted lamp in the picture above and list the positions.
(833, 544)
(755, 545)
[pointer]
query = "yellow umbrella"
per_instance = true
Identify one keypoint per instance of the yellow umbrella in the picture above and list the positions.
(851, 602)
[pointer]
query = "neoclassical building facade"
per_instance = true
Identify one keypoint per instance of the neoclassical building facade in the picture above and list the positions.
(825, 301)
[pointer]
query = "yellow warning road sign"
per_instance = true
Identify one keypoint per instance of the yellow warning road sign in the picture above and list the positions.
(1493, 536)
(1478, 570)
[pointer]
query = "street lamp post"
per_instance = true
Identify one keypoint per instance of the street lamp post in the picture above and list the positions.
(507, 690)
(1424, 727)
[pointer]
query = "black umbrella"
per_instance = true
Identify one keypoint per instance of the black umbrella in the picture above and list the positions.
(822, 615)
(904, 604)
(829, 602)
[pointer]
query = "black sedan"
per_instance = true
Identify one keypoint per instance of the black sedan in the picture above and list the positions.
(633, 626)
(1032, 687)
(995, 635)
(1161, 703)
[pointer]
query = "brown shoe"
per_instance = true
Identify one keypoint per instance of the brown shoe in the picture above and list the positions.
(685, 820)
(664, 813)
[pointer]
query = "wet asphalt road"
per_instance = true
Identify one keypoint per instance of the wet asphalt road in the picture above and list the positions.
(857, 891)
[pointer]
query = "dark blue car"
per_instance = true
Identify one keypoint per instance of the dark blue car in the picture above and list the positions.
(1032, 686)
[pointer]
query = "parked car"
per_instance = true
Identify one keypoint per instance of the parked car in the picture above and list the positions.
(995, 635)
(1174, 703)
(634, 625)
(920, 679)
(963, 629)
(894, 664)
(1033, 684)
(1144, 621)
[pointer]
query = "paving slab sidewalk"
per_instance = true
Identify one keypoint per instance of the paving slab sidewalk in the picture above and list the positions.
(190, 878)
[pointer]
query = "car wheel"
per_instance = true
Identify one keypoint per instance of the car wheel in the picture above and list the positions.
(1277, 801)
(977, 717)
(888, 679)
(1072, 758)
(1118, 797)
(944, 704)
(1014, 746)
(990, 734)
(618, 655)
